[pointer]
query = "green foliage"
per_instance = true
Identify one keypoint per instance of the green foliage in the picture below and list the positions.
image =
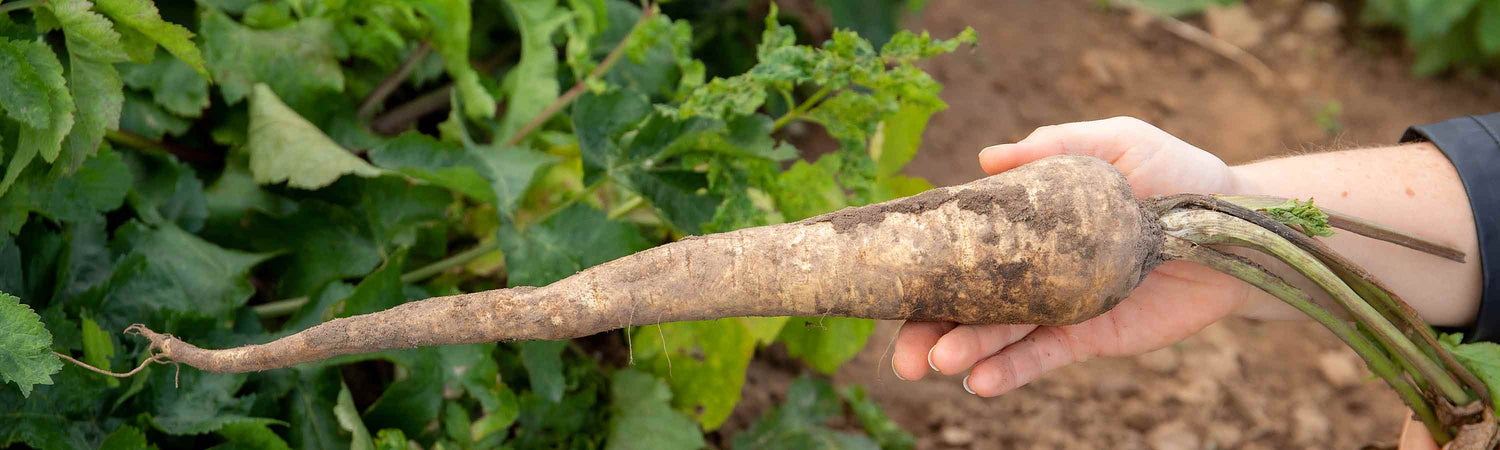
(25, 356)
(1481, 358)
(1303, 216)
(200, 167)
(1444, 34)
(800, 423)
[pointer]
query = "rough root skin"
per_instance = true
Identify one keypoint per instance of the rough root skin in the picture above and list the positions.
(1054, 242)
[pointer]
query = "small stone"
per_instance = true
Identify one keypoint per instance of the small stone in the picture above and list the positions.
(1310, 424)
(1175, 435)
(1162, 361)
(1236, 25)
(1340, 368)
(956, 436)
(1321, 18)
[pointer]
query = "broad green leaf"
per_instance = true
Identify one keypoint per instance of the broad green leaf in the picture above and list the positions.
(443, 164)
(299, 62)
(141, 116)
(250, 436)
(531, 84)
(379, 291)
(703, 361)
(26, 358)
(125, 438)
(142, 16)
(349, 420)
(167, 272)
(413, 403)
(98, 348)
(285, 147)
(456, 424)
(45, 140)
(97, 93)
(543, 361)
(899, 135)
(94, 188)
(1487, 28)
(574, 239)
(166, 190)
(886, 432)
(764, 329)
(196, 402)
(172, 84)
(599, 121)
(309, 409)
(48, 418)
(499, 418)
(807, 190)
(23, 90)
(641, 416)
(494, 175)
(89, 35)
(450, 36)
(578, 421)
(390, 439)
(1481, 358)
(826, 343)
(799, 423)
(1427, 20)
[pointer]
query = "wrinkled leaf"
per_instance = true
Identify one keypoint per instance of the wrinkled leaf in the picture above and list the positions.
(641, 415)
(26, 357)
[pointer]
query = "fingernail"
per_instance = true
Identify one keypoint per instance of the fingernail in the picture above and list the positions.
(966, 385)
(929, 361)
(897, 372)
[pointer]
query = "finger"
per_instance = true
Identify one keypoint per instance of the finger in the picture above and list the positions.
(1044, 349)
(1414, 436)
(913, 340)
(999, 158)
(958, 350)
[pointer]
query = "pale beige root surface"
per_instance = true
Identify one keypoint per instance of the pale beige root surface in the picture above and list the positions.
(1054, 242)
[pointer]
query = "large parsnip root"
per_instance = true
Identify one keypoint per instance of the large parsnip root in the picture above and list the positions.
(1054, 242)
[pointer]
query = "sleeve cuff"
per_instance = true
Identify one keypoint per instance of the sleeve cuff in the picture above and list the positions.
(1472, 144)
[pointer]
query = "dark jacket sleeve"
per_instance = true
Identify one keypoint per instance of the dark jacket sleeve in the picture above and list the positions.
(1472, 143)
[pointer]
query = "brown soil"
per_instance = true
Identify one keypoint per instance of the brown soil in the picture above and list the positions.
(1237, 384)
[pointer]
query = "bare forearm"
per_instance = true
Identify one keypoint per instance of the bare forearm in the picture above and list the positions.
(1412, 188)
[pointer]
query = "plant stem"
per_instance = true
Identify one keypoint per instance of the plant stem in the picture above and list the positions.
(626, 207)
(801, 109)
(1355, 225)
(578, 88)
(1379, 363)
(23, 4)
(133, 140)
(394, 80)
(1371, 289)
(460, 258)
(1213, 227)
(291, 305)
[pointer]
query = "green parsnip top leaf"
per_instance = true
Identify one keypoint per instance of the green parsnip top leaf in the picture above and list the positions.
(1304, 216)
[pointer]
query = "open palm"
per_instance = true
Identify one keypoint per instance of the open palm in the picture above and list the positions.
(1173, 302)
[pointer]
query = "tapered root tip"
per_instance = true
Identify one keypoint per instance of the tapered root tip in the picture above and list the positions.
(161, 344)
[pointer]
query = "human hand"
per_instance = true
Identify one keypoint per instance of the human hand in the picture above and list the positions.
(1173, 302)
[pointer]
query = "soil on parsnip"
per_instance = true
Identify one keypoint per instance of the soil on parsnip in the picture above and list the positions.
(1238, 383)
